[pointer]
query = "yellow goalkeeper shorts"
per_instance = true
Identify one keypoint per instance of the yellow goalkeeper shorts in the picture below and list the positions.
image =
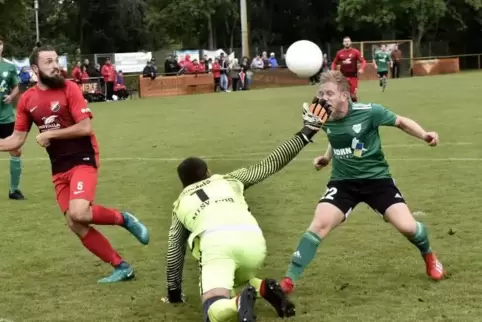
(230, 257)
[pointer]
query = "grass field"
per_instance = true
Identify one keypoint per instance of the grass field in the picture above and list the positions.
(364, 271)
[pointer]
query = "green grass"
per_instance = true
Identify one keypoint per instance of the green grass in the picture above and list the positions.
(364, 271)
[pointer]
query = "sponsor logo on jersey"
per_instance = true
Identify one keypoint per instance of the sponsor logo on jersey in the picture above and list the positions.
(50, 122)
(356, 150)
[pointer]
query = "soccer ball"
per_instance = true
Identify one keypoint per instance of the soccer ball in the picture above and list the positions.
(304, 58)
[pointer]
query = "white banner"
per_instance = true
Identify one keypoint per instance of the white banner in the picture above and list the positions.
(131, 62)
(25, 62)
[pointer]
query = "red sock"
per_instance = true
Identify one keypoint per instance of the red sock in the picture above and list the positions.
(100, 247)
(106, 216)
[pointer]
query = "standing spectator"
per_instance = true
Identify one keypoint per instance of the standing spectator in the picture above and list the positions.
(24, 76)
(396, 59)
(246, 74)
(216, 70)
(171, 66)
(198, 68)
(224, 82)
(234, 70)
(77, 73)
(326, 64)
(108, 73)
(84, 75)
(264, 57)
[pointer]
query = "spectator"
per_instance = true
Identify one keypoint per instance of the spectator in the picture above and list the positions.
(108, 73)
(264, 57)
(246, 74)
(171, 66)
(257, 63)
(84, 75)
(187, 65)
(326, 64)
(273, 63)
(89, 68)
(234, 70)
(24, 76)
(224, 82)
(77, 73)
(120, 88)
(198, 68)
(149, 71)
(207, 62)
(396, 59)
(216, 70)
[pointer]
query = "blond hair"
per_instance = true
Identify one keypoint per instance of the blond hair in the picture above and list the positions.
(336, 77)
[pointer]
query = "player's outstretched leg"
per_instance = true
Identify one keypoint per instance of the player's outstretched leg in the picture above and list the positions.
(327, 217)
(401, 218)
(15, 174)
(271, 291)
(108, 216)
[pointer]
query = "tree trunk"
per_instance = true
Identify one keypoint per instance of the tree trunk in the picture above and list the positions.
(211, 33)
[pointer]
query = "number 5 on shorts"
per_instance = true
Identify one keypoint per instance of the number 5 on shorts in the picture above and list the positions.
(330, 193)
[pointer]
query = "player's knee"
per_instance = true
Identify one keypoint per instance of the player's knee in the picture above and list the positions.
(79, 211)
(211, 315)
(76, 227)
(326, 218)
(401, 218)
(16, 153)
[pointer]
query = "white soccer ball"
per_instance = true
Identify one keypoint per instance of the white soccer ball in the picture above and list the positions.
(304, 58)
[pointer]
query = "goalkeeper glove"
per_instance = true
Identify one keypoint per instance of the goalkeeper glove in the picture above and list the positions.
(314, 116)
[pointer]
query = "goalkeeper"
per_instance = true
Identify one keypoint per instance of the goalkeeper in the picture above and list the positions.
(212, 217)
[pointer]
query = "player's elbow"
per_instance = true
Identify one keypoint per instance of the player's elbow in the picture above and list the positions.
(86, 128)
(402, 122)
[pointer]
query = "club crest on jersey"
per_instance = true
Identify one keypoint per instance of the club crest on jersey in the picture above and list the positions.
(357, 128)
(55, 106)
(5, 74)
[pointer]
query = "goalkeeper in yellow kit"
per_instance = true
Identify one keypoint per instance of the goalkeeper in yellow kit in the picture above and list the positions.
(212, 217)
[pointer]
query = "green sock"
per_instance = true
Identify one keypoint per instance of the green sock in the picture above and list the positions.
(223, 310)
(304, 254)
(15, 173)
(420, 239)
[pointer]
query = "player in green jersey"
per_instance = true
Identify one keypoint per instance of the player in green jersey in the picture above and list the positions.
(8, 90)
(382, 61)
(212, 217)
(360, 173)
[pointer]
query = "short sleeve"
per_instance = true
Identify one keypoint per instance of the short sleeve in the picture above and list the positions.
(76, 102)
(382, 116)
(23, 120)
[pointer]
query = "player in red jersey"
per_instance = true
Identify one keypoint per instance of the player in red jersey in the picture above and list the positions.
(348, 59)
(61, 114)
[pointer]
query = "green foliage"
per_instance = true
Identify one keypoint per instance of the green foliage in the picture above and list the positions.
(106, 26)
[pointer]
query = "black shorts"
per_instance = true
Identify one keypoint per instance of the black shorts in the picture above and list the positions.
(6, 130)
(381, 74)
(379, 194)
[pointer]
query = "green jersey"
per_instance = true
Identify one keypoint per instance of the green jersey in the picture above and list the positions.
(8, 81)
(382, 59)
(218, 202)
(356, 144)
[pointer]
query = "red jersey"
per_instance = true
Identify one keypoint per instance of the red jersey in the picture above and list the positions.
(348, 60)
(55, 109)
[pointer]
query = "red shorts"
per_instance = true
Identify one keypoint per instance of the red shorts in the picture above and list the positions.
(80, 182)
(353, 81)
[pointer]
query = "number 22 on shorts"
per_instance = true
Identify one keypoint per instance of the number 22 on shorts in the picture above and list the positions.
(330, 193)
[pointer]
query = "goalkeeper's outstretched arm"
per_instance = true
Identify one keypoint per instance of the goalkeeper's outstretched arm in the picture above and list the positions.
(176, 251)
(276, 161)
